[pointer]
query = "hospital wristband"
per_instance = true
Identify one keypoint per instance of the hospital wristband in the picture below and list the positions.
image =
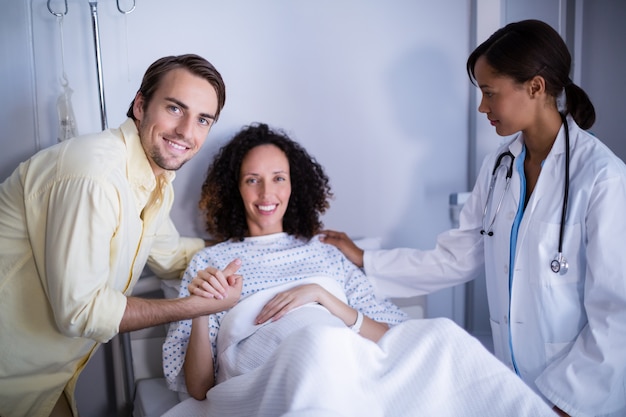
(356, 327)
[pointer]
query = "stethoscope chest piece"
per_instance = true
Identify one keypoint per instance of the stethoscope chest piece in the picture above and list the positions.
(559, 264)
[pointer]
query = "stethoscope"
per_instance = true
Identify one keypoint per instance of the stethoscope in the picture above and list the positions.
(559, 263)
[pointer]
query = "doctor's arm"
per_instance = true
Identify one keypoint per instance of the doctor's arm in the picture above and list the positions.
(458, 256)
(560, 412)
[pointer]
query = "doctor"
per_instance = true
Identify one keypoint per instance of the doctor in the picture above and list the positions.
(546, 222)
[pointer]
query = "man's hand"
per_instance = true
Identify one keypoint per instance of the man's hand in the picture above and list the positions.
(210, 304)
(213, 283)
(141, 313)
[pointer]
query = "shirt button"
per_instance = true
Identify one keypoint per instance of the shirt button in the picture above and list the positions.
(506, 320)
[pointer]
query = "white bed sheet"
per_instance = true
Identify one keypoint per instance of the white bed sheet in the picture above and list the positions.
(426, 367)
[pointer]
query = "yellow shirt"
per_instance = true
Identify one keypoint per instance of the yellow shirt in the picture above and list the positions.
(78, 222)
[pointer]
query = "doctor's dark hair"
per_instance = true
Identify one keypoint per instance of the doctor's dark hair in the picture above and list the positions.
(525, 49)
(221, 202)
(192, 63)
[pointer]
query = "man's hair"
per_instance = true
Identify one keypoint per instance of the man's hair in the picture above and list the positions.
(191, 62)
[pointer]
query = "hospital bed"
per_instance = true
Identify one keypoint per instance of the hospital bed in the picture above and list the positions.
(148, 390)
(413, 360)
(149, 395)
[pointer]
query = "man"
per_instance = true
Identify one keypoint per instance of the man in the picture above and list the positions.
(78, 222)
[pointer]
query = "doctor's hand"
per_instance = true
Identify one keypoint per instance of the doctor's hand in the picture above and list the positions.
(345, 245)
(213, 283)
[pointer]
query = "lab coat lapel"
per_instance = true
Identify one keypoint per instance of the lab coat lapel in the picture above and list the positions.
(516, 149)
(549, 187)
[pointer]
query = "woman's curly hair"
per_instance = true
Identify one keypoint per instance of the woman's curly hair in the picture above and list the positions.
(221, 201)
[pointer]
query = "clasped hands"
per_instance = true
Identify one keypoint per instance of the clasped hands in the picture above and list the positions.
(226, 285)
(220, 285)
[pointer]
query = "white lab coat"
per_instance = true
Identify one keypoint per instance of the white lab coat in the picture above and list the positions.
(568, 332)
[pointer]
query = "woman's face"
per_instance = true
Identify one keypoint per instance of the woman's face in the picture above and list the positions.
(265, 188)
(507, 104)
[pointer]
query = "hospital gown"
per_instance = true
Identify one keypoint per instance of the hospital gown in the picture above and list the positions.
(270, 261)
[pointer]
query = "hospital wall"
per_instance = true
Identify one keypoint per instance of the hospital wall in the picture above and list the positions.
(376, 91)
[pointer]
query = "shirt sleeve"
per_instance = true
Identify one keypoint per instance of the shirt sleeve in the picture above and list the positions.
(82, 218)
(171, 253)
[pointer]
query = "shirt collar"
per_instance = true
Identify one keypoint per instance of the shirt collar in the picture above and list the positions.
(138, 170)
(138, 167)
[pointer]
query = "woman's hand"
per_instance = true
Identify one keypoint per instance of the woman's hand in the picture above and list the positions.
(342, 242)
(213, 283)
(284, 302)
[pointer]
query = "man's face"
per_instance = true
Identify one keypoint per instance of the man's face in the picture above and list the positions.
(176, 122)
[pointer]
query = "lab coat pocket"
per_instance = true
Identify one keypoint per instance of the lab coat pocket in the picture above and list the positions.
(542, 246)
(558, 297)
